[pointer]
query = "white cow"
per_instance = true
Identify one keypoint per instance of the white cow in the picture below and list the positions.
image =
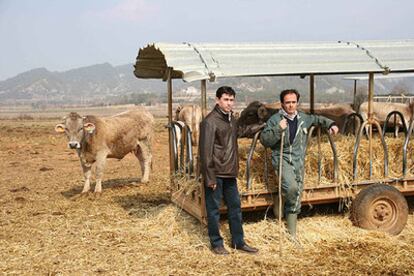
(96, 139)
(191, 115)
(380, 111)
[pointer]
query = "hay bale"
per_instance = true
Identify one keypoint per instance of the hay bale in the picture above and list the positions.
(345, 149)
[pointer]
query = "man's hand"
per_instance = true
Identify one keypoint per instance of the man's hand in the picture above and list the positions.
(212, 186)
(334, 130)
(283, 123)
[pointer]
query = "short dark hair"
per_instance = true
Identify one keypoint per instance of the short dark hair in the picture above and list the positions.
(225, 90)
(289, 91)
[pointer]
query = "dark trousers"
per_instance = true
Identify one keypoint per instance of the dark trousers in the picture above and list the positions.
(226, 189)
(292, 187)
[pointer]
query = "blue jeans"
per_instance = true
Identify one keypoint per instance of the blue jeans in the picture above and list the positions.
(226, 189)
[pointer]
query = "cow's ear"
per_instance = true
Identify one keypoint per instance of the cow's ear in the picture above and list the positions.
(89, 127)
(60, 128)
(262, 112)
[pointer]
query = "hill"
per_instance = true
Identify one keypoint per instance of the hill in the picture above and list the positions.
(103, 84)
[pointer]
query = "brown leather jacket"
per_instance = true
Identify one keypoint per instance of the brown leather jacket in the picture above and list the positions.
(218, 146)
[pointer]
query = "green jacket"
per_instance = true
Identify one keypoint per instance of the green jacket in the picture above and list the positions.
(293, 154)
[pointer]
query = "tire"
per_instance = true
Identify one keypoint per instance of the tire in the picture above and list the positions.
(380, 207)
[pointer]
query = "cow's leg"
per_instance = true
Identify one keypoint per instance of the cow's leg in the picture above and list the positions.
(87, 171)
(100, 166)
(177, 137)
(138, 154)
(364, 118)
(144, 155)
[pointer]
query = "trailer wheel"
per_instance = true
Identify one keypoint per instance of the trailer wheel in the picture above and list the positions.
(380, 207)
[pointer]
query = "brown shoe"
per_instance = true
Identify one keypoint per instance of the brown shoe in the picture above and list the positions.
(220, 250)
(247, 249)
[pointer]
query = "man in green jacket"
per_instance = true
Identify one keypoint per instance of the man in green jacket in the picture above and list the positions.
(295, 124)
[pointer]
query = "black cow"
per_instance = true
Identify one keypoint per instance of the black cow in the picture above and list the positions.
(254, 117)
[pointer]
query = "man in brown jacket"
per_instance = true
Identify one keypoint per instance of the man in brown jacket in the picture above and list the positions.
(219, 167)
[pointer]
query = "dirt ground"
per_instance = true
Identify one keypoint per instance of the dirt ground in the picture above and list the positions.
(46, 228)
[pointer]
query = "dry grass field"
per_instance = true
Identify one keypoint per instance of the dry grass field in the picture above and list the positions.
(46, 228)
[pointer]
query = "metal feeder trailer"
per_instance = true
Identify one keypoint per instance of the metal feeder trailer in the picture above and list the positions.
(377, 203)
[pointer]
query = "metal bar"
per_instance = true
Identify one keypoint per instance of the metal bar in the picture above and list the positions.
(370, 149)
(396, 114)
(173, 144)
(319, 155)
(395, 127)
(354, 105)
(310, 132)
(334, 151)
(189, 156)
(249, 160)
(405, 147)
(356, 147)
(357, 143)
(348, 120)
(182, 150)
(384, 146)
(335, 155)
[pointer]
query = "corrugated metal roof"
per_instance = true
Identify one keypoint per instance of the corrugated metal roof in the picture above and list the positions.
(198, 61)
(389, 76)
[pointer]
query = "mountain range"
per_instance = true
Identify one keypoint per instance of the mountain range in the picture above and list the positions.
(106, 84)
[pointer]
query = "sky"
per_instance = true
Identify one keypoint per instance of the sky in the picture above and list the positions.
(62, 35)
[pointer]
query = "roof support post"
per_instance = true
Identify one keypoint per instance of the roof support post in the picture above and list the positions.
(169, 88)
(312, 93)
(204, 97)
(370, 118)
(202, 187)
(355, 90)
(370, 94)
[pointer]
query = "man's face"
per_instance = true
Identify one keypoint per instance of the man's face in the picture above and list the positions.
(290, 103)
(226, 102)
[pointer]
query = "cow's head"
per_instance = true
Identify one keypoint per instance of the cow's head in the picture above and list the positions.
(76, 129)
(253, 117)
(249, 115)
(177, 112)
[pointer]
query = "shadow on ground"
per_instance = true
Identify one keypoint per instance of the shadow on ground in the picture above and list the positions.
(110, 184)
(142, 205)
